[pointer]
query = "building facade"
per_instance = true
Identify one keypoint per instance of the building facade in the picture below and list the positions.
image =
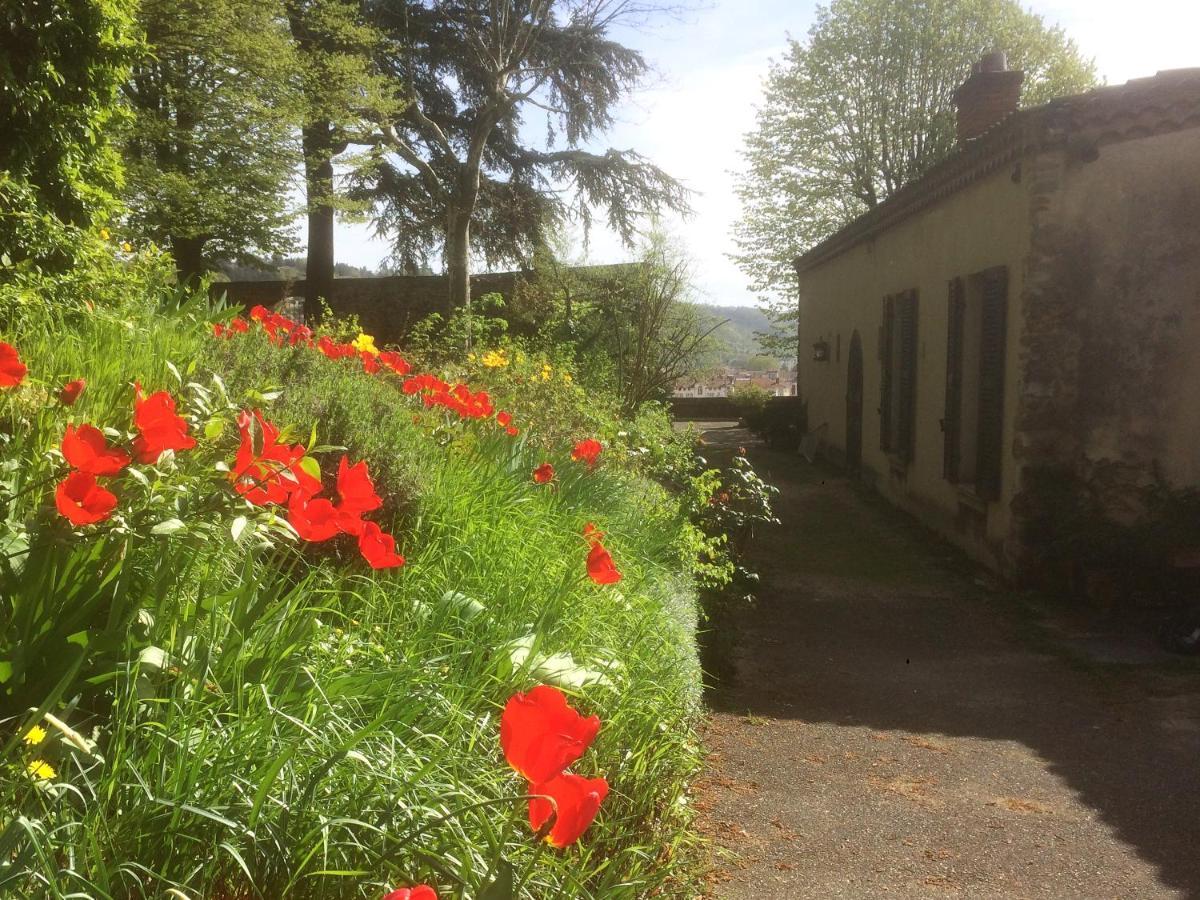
(1029, 310)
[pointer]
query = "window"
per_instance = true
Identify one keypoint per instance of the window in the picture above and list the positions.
(898, 390)
(973, 426)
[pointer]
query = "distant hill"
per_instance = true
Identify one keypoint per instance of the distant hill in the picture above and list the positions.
(739, 344)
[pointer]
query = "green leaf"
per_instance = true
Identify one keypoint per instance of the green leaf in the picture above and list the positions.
(501, 887)
(168, 526)
(175, 371)
(238, 528)
(214, 429)
(5, 670)
(79, 637)
(311, 467)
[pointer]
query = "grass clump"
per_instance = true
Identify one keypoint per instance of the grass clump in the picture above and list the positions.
(224, 711)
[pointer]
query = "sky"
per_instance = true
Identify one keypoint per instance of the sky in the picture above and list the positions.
(709, 68)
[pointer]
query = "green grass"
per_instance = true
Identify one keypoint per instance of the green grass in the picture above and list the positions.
(271, 721)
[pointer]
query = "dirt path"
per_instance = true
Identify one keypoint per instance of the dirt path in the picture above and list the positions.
(895, 728)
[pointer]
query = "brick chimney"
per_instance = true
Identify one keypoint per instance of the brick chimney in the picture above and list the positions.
(988, 96)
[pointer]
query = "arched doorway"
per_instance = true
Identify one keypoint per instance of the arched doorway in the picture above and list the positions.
(854, 404)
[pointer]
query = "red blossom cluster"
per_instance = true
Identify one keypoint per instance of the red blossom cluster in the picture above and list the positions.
(267, 472)
(458, 398)
(544, 473)
(587, 451)
(600, 566)
(79, 497)
(541, 735)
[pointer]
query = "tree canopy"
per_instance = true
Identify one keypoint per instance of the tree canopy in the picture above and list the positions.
(211, 151)
(865, 105)
(455, 172)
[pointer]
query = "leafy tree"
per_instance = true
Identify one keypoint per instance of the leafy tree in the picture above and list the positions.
(341, 90)
(865, 105)
(62, 63)
(211, 151)
(454, 171)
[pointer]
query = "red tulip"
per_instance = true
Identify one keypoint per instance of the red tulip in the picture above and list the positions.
(575, 799)
(420, 892)
(220, 330)
(377, 548)
(512, 431)
(504, 419)
(161, 429)
(356, 493)
(272, 473)
(314, 518)
(369, 363)
(239, 325)
(395, 362)
(592, 534)
(12, 370)
(541, 734)
(600, 566)
(82, 501)
(587, 452)
(543, 473)
(86, 450)
(258, 313)
(70, 392)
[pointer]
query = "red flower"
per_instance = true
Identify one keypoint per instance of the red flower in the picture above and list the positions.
(258, 313)
(272, 473)
(314, 518)
(87, 451)
(541, 734)
(12, 370)
(70, 392)
(420, 892)
(356, 493)
(574, 798)
(504, 419)
(377, 548)
(301, 334)
(543, 473)
(592, 534)
(219, 330)
(369, 363)
(600, 566)
(512, 431)
(395, 362)
(161, 429)
(587, 452)
(239, 325)
(82, 501)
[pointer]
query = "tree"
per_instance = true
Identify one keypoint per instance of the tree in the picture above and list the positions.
(211, 151)
(455, 158)
(864, 106)
(341, 90)
(62, 63)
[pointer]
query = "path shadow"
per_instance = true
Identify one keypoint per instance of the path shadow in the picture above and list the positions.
(863, 620)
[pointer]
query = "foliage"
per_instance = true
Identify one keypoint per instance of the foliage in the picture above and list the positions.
(210, 149)
(452, 171)
(265, 719)
(61, 65)
(749, 398)
(863, 106)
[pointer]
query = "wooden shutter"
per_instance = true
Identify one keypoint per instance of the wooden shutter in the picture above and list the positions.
(906, 322)
(952, 418)
(885, 375)
(994, 314)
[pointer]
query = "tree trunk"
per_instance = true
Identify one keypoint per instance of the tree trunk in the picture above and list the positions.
(189, 258)
(317, 140)
(458, 260)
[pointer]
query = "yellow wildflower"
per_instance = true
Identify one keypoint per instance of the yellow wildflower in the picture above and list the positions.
(41, 770)
(126, 246)
(567, 377)
(35, 736)
(495, 359)
(104, 235)
(365, 343)
(471, 357)
(546, 372)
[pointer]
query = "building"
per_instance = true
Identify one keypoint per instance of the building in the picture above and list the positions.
(1026, 312)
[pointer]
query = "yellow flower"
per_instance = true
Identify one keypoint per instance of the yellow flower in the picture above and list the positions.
(35, 736)
(365, 343)
(127, 247)
(495, 359)
(104, 235)
(471, 357)
(41, 770)
(567, 377)
(546, 372)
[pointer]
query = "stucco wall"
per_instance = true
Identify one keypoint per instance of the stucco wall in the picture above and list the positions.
(1132, 266)
(984, 225)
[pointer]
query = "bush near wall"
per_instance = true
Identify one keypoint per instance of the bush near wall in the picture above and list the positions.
(195, 703)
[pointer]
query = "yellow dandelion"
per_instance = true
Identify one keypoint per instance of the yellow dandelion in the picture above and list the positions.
(127, 247)
(104, 235)
(365, 343)
(35, 736)
(41, 770)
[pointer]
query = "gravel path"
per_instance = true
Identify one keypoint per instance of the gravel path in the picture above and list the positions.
(896, 728)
